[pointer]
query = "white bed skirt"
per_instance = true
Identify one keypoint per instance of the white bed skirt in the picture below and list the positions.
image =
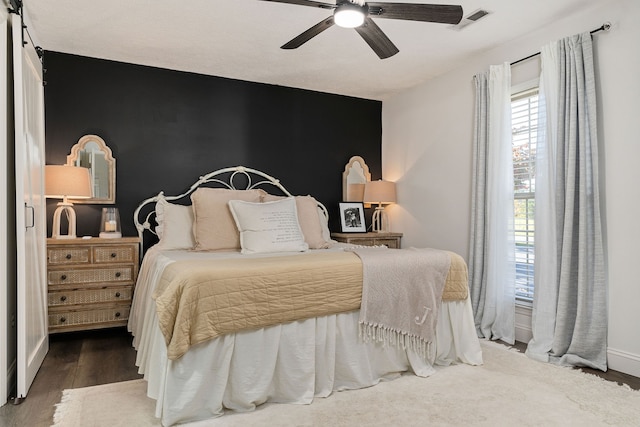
(291, 363)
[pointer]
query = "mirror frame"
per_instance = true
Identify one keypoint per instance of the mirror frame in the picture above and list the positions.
(345, 175)
(111, 162)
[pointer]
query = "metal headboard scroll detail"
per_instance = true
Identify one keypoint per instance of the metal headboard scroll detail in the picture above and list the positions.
(224, 178)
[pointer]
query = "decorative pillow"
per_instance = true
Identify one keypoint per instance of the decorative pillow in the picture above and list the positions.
(310, 220)
(269, 226)
(324, 226)
(175, 225)
(214, 227)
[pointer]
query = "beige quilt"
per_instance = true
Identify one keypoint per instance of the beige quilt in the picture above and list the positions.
(198, 300)
(456, 287)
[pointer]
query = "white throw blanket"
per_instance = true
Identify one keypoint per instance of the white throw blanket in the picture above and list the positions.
(401, 296)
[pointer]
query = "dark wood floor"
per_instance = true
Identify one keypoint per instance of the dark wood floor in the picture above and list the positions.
(610, 375)
(76, 359)
(90, 358)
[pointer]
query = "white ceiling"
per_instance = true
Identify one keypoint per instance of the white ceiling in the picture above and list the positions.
(241, 38)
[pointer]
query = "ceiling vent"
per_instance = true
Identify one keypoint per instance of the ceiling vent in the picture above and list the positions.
(470, 19)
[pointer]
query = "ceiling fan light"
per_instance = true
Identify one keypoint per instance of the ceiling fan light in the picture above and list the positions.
(348, 16)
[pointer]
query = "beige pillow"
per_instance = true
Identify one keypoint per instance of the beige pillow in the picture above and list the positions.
(268, 227)
(214, 227)
(309, 220)
(175, 225)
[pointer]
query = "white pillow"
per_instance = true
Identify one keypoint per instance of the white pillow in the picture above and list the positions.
(268, 227)
(310, 218)
(175, 225)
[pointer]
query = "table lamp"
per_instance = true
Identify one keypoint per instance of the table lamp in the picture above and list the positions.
(382, 193)
(65, 182)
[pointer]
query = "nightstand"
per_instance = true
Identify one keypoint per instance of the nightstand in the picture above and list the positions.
(390, 240)
(90, 282)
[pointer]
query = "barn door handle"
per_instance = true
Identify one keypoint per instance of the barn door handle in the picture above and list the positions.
(33, 216)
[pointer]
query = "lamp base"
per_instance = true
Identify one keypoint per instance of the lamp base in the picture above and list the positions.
(380, 221)
(71, 218)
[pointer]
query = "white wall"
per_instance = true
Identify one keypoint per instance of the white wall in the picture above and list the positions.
(427, 149)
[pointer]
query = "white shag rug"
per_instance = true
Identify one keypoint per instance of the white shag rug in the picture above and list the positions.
(508, 390)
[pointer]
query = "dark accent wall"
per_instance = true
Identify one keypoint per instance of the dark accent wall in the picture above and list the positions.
(166, 128)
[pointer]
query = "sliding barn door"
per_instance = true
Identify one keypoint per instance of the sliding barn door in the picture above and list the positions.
(31, 232)
(4, 204)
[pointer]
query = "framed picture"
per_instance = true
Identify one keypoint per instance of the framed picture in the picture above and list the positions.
(352, 217)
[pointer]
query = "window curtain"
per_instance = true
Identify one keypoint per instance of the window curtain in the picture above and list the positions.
(492, 248)
(570, 299)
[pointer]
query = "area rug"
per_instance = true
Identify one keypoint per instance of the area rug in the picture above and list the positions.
(508, 390)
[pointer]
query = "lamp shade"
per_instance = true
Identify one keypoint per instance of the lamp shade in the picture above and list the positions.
(380, 192)
(62, 181)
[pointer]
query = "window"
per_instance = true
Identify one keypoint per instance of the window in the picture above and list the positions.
(524, 122)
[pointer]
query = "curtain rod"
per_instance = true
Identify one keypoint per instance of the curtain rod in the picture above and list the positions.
(605, 27)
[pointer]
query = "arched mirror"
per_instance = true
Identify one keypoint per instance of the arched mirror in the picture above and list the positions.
(356, 174)
(92, 153)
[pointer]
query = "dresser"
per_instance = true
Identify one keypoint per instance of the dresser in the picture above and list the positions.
(390, 240)
(90, 282)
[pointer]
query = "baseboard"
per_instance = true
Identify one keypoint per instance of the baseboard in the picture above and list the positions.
(523, 323)
(623, 361)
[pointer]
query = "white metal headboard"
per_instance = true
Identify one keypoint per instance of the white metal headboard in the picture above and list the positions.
(222, 178)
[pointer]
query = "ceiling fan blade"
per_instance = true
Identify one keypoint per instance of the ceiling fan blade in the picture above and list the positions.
(375, 38)
(309, 34)
(306, 3)
(441, 13)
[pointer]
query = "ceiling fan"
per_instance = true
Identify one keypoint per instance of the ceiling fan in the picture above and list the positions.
(357, 14)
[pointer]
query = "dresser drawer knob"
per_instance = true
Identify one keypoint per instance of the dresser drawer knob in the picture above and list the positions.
(63, 277)
(118, 274)
(113, 255)
(63, 319)
(117, 294)
(117, 314)
(63, 298)
(68, 256)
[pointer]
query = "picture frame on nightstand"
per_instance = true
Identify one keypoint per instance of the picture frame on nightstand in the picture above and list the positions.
(352, 218)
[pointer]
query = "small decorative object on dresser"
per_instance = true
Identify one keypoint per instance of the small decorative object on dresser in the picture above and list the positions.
(110, 224)
(90, 282)
(390, 240)
(352, 217)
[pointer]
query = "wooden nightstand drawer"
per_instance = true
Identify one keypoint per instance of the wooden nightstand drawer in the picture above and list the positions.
(91, 282)
(89, 275)
(97, 317)
(112, 254)
(89, 296)
(70, 255)
(390, 240)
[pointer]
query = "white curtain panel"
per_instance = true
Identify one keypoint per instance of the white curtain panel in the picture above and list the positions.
(570, 302)
(492, 249)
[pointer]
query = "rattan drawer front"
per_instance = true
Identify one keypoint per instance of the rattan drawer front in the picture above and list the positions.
(112, 274)
(69, 255)
(113, 254)
(89, 296)
(85, 317)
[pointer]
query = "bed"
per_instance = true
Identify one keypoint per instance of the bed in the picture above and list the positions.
(245, 299)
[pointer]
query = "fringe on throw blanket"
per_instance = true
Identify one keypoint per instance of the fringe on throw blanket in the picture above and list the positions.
(392, 338)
